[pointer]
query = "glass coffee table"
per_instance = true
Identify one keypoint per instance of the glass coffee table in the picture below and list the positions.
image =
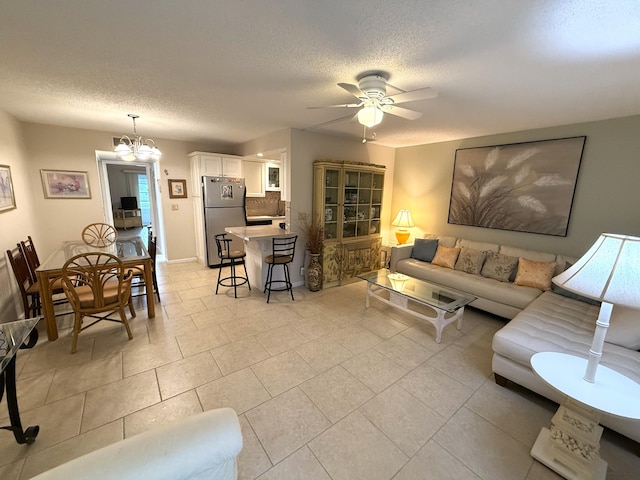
(403, 290)
(14, 336)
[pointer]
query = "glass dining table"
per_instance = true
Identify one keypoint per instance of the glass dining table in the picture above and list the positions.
(13, 336)
(131, 251)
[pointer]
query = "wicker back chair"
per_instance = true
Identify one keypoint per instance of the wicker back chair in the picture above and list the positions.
(96, 283)
(99, 235)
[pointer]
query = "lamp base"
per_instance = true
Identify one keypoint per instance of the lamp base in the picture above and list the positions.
(402, 236)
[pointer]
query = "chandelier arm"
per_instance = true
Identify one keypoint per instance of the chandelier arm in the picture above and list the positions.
(125, 137)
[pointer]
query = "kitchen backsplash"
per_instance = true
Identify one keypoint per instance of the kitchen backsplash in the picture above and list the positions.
(270, 204)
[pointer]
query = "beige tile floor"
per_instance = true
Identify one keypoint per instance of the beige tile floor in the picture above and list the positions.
(324, 388)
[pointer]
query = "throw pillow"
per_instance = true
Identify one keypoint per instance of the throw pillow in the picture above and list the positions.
(424, 249)
(624, 327)
(446, 256)
(566, 293)
(470, 260)
(498, 266)
(535, 274)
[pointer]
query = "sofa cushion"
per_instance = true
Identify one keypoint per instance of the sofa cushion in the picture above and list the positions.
(530, 254)
(445, 240)
(624, 327)
(424, 249)
(498, 266)
(563, 262)
(483, 288)
(446, 256)
(482, 246)
(535, 274)
(470, 260)
(553, 323)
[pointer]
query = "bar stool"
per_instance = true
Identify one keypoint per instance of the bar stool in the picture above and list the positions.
(230, 258)
(283, 250)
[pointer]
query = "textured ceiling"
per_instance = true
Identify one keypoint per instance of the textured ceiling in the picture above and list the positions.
(235, 70)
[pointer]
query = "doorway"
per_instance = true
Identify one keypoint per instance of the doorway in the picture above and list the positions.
(121, 181)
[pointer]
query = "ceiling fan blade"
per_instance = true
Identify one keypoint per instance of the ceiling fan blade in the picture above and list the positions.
(413, 95)
(336, 120)
(344, 105)
(353, 90)
(401, 112)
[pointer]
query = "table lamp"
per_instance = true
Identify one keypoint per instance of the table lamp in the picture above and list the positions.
(404, 221)
(608, 272)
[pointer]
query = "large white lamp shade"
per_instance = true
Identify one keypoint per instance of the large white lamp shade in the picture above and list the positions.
(608, 272)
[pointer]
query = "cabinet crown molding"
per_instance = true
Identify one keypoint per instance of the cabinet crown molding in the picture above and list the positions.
(345, 162)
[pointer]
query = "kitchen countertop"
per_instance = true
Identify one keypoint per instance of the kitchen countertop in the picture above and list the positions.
(265, 217)
(258, 232)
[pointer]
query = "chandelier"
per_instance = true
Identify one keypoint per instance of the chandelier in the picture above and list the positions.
(136, 148)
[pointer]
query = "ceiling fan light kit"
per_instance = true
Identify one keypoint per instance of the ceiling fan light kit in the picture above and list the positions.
(370, 116)
(374, 103)
(138, 148)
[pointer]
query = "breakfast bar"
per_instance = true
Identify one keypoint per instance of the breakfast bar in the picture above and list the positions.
(257, 244)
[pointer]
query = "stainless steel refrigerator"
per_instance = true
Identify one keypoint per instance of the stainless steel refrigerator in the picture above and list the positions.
(224, 206)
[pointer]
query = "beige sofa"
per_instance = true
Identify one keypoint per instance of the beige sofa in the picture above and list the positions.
(504, 299)
(541, 321)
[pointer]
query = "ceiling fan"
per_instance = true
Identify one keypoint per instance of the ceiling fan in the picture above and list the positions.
(374, 102)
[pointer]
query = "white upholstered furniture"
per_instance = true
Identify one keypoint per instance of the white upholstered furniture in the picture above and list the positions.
(541, 322)
(554, 323)
(203, 446)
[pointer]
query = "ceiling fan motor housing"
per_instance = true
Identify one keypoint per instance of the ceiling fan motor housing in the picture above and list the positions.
(374, 86)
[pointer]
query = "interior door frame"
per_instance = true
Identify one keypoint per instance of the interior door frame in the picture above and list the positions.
(104, 158)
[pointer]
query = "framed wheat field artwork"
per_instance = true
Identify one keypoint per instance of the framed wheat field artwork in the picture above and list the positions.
(524, 187)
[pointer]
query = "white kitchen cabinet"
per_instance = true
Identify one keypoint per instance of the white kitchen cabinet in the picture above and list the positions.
(214, 164)
(231, 166)
(273, 177)
(254, 178)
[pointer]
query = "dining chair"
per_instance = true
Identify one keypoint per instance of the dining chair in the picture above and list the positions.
(29, 252)
(29, 290)
(138, 271)
(96, 283)
(283, 250)
(230, 258)
(99, 235)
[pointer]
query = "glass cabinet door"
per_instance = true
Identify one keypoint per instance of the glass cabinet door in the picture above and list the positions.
(331, 203)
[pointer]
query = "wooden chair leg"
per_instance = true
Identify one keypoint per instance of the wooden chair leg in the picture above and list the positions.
(77, 325)
(131, 309)
(123, 318)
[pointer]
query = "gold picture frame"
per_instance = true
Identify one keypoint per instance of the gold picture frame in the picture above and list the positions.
(177, 188)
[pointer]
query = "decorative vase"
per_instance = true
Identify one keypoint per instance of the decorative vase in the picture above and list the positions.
(314, 273)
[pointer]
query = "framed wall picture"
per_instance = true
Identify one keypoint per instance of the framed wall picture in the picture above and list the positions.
(524, 187)
(7, 198)
(177, 189)
(65, 184)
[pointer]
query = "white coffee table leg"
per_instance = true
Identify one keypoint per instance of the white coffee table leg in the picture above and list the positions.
(366, 300)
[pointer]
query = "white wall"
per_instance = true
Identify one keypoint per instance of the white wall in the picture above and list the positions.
(16, 224)
(64, 148)
(606, 199)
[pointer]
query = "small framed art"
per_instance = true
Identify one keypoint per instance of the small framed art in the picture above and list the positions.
(177, 189)
(7, 198)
